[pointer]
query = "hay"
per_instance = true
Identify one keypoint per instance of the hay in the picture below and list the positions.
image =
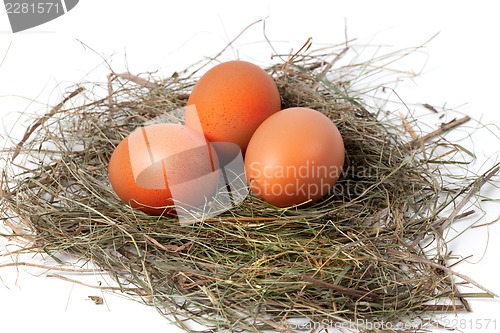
(372, 251)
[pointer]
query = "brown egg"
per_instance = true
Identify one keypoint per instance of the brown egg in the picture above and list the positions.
(295, 156)
(160, 165)
(232, 99)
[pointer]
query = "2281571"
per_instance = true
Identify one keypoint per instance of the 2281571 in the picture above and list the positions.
(473, 324)
(32, 8)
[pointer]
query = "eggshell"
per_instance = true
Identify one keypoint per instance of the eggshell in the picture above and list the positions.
(160, 165)
(295, 156)
(232, 99)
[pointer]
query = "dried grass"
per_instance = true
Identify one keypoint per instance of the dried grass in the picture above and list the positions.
(373, 250)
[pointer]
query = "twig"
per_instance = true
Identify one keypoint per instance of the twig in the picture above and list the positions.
(486, 224)
(339, 56)
(457, 217)
(41, 120)
(340, 289)
(445, 128)
(136, 79)
(228, 45)
(430, 107)
(111, 102)
(121, 289)
(51, 268)
(5, 55)
(425, 261)
(444, 308)
(477, 185)
(408, 127)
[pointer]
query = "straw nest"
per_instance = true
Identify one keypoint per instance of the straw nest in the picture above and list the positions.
(371, 251)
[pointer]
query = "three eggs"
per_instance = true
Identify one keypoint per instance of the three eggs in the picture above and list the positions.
(290, 156)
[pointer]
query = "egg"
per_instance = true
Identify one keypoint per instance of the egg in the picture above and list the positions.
(232, 99)
(162, 165)
(294, 157)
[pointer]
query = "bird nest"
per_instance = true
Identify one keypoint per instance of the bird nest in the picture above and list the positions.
(373, 250)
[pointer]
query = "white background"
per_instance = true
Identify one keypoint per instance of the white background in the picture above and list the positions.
(460, 69)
